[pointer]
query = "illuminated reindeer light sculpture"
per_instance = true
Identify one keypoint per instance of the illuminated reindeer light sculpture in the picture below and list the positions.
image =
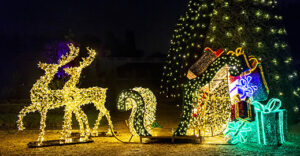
(82, 96)
(42, 97)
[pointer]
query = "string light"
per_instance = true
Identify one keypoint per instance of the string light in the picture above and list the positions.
(265, 118)
(263, 25)
(288, 60)
(44, 99)
(218, 69)
(237, 132)
(213, 108)
(296, 109)
(143, 103)
(244, 86)
(265, 39)
(81, 96)
(200, 111)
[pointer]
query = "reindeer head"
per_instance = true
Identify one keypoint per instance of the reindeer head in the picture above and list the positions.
(53, 68)
(84, 63)
(76, 71)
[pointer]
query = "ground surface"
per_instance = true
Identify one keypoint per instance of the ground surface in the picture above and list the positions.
(15, 143)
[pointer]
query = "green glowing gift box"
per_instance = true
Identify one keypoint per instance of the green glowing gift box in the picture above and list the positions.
(270, 125)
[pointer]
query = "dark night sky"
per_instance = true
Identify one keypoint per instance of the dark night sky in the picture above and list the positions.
(151, 20)
(23, 23)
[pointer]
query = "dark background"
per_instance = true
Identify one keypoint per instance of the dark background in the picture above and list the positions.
(115, 28)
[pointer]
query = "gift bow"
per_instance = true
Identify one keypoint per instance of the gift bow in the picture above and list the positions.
(273, 105)
(237, 132)
(245, 87)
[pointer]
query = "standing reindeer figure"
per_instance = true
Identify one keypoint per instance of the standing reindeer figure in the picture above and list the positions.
(42, 97)
(82, 96)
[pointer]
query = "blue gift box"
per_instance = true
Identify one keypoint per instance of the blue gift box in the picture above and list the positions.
(251, 85)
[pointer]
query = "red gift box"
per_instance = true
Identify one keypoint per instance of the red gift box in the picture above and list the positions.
(242, 110)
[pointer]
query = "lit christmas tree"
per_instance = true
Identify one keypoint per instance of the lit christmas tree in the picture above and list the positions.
(254, 25)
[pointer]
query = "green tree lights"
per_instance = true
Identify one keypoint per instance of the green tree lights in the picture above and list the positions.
(254, 25)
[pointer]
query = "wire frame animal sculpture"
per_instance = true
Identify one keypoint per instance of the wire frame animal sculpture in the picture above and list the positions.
(44, 99)
(82, 96)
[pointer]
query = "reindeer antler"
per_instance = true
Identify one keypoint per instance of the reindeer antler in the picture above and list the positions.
(69, 56)
(87, 61)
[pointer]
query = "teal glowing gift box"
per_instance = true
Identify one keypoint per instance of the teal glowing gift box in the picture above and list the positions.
(270, 125)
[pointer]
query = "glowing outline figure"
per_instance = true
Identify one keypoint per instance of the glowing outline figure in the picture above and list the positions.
(244, 86)
(81, 96)
(42, 97)
(272, 106)
(237, 132)
(143, 103)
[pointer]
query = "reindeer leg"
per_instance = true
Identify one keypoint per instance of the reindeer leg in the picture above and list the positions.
(81, 126)
(42, 126)
(66, 133)
(22, 114)
(95, 129)
(79, 119)
(111, 128)
(86, 122)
